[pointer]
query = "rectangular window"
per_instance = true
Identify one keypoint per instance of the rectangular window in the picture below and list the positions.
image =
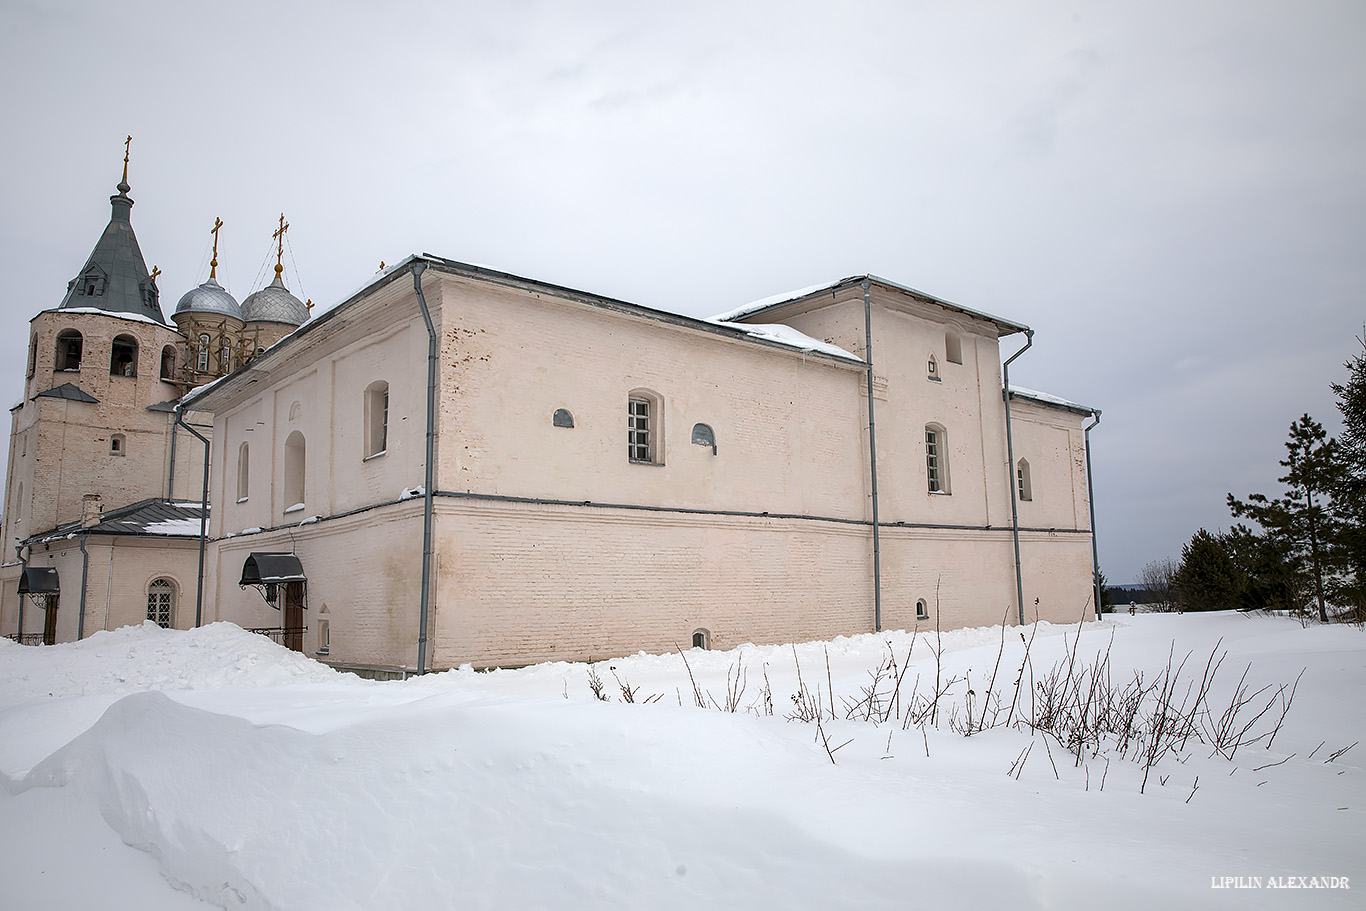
(932, 461)
(638, 430)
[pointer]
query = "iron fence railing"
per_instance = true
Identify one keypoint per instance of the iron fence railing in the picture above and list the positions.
(26, 638)
(279, 635)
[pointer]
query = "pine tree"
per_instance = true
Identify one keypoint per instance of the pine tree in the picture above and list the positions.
(1349, 497)
(1302, 519)
(1208, 578)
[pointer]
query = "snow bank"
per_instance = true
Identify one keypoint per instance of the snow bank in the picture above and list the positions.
(255, 778)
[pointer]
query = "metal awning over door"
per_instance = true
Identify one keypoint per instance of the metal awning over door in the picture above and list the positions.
(268, 568)
(38, 580)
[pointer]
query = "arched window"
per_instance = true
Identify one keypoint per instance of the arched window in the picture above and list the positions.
(118, 444)
(243, 471)
(1022, 481)
(69, 344)
(161, 603)
(953, 348)
(225, 355)
(562, 418)
(202, 355)
(932, 369)
(921, 611)
(295, 451)
(376, 418)
(123, 356)
(32, 355)
(168, 363)
(936, 458)
(702, 435)
(701, 639)
(645, 427)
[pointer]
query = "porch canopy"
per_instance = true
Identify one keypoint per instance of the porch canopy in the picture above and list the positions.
(38, 580)
(265, 569)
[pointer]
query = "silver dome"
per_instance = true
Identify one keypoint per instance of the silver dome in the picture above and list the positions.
(274, 304)
(210, 297)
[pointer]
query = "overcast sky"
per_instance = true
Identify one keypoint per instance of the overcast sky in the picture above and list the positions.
(1170, 193)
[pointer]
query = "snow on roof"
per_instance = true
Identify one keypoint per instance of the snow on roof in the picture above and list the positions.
(132, 317)
(786, 335)
(1043, 397)
(755, 306)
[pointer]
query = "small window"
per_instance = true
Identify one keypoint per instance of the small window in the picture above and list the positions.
(644, 428)
(921, 611)
(701, 639)
(168, 363)
(932, 369)
(324, 637)
(295, 453)
(1022, 481)
(225, 355)
(161, 603)
(702, 435)
(562, 418)
(69, 344)
(32, 355)
(243, 472)
(376, 418)
(123, 358)
(202, 355)
(953, 348)
(936, 459)
(118, 444)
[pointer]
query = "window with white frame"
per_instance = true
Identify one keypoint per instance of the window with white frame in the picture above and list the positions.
(936, 458)
(202, 356)
(922, 612)
(644, 427)
(161, 603)
(1022, 480)
(376, 418)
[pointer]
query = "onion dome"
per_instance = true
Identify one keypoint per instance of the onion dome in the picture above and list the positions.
(210, 297)
(274, 304)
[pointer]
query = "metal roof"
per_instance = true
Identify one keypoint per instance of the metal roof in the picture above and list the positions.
(39, 580)
(152, 518)
(69, 391)
(210, 297)
(267, 568)
(115, 278)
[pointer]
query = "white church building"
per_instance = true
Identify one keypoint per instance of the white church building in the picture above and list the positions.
(463, 466)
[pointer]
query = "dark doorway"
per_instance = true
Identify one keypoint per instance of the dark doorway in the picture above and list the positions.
(49, 619)
(294, 616)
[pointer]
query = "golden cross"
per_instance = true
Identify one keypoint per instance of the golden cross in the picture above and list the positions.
(213, 263)
(155, 272)
(309, 304)
(381, 266)
(280, 248)
(126, 144)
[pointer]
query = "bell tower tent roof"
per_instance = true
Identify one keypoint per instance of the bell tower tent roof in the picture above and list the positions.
(115, 278)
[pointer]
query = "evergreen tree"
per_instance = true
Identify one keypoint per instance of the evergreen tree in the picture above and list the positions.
(1349, 497)
(1208, 578)
(1302, 520)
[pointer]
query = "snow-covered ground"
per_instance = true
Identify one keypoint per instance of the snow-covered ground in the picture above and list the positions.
(153, 769)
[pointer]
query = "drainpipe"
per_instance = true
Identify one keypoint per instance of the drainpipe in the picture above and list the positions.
(23, 567)
(85, 571)
(872, 454)
(203, 521)
(417, 269)
(1010, 476)
(1091, 504)
(170, 472)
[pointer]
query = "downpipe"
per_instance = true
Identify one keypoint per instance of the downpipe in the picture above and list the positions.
(1010, 478)
(203, 520)
(1091, 504)
(417, 269)
(872, 454)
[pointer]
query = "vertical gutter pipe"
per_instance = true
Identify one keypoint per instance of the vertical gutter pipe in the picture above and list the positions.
(1091, 504)
(85, 572)
(872, 454)
(1010, 477)
(23, 568)
(417, 269)
(203, 519)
